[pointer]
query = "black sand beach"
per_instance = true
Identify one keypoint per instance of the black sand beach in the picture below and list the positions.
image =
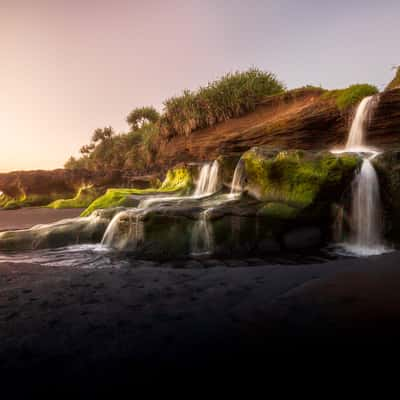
(98, 327)
(27, 217)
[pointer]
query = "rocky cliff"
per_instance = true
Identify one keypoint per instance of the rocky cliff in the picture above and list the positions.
(307, 119)
(301, 119)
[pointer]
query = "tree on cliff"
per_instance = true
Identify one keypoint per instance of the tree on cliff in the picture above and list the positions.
(139, 117)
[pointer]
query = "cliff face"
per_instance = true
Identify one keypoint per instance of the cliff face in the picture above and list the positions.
(384, 130)
(302, 119)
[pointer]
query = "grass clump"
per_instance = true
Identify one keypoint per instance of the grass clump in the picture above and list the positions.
(178, 180)
(228, 97)
(352, 95)
(84, 197)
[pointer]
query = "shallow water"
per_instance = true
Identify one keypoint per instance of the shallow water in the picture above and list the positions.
(100, 256)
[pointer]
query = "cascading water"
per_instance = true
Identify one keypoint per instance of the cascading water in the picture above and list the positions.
(126, 230)
(366, 211)
(238, 178)
(208, 179)
(203, 235)
(355, 141)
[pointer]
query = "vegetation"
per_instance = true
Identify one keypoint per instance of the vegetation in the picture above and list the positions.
(178, 180)
(352, 95)
(84, 197)
(396, 80)
(231, 96)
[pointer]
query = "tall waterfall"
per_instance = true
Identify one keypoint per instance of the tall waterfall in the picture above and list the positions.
(366, 236)
(366, 212)
(355, 141)
(208, 179)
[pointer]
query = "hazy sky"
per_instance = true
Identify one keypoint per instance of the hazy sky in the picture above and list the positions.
(69, 66)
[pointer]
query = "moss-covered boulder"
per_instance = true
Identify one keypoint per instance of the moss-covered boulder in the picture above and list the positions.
(297, 183)
(178, 181)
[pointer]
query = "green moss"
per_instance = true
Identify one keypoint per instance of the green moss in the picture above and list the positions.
(296, 179)
(33, 200)
(352, 95)
(84, 197)
(178, 180)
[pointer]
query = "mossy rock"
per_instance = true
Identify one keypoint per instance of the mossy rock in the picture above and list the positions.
(295, 181)
(178, 181)
(33, 200)
(84, 197)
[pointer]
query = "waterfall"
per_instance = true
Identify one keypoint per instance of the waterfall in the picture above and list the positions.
(366, 236)
(208, 179)
(366, 213)
(125, 231)
(203, 235)
(238, 178)
(355, 141)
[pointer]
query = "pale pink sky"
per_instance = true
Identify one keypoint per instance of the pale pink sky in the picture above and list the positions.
(67, 67)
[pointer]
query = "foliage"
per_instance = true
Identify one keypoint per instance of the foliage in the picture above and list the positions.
(139, 117)
(231, 96)
(84, 197)
(352, 95)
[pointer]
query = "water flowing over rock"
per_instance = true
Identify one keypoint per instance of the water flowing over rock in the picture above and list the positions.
(366, 236)
(366, 213)
(208, 179)
(362, 119)
(238, 180)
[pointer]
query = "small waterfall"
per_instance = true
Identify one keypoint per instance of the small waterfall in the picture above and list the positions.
(203, 235)
(208, 179)
(125, 231)
(237, 185)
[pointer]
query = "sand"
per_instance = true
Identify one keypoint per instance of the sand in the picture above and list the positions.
(28, 217)
(135, 323)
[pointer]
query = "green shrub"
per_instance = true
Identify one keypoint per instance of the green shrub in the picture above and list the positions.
(352, 95)
(231, 96)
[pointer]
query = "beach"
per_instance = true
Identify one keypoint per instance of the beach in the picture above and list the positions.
(97, 326)
(27, 217)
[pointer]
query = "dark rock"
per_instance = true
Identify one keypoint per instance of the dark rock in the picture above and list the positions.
(303, 238)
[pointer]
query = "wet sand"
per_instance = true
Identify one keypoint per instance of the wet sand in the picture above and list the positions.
(101, 327)
(27, 217)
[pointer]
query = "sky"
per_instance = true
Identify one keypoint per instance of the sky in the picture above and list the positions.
(70, 66)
